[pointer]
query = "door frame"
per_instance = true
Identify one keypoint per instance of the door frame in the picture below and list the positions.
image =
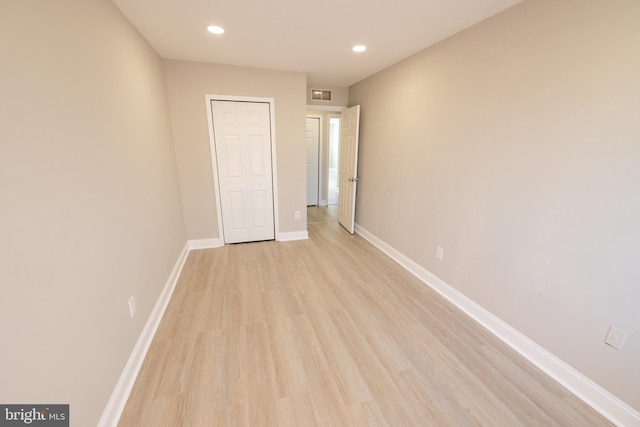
(320, 153)
(214, 163)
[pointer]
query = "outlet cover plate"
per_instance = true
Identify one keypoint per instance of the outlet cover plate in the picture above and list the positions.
(615, 338)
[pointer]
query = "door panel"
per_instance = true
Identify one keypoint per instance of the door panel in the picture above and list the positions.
(237, 220)
(257, 155)
(349, 134)
(313, 143)
(233, 159)
(242, 135)
(258, 203)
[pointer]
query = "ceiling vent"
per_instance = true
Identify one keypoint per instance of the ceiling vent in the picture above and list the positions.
(320, 95)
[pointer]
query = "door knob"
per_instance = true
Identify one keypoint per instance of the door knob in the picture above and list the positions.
(354, 179)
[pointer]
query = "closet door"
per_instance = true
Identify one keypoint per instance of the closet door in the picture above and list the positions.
(242, 134)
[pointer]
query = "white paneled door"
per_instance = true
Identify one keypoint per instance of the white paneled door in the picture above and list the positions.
(349, 134)
(313, 144)
(242, 134)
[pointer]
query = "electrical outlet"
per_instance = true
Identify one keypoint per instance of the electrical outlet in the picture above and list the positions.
(439, 253)
(296, 214)
(615, 338)
(132, 306)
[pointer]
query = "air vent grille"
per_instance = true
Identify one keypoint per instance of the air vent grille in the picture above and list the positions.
(320, 95)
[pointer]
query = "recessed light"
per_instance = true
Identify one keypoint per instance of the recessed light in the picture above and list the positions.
(215, 29)
(359, 48)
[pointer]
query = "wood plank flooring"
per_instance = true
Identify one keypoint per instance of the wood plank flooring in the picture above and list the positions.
(317, 214)
(330, 332)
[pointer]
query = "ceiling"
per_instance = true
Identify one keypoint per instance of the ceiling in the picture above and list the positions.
(301, 35)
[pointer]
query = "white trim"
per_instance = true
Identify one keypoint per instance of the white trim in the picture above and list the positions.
(292, 235)
(274, 169)
(591, 393)
(205, 243)
(120, 394)
(214, 165)
(323, 202)
(337, 108)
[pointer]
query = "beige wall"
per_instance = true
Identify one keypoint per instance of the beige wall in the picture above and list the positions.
(187, 85)
(90, 210)
(515, 146)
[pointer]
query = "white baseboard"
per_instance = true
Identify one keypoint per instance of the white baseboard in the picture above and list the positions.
(205, 243)
(591, 393)
(323, 203)
(292, 235)
(120, 395)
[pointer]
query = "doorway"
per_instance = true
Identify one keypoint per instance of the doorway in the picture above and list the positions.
(333, 175)
(313, 160)
(323, 179)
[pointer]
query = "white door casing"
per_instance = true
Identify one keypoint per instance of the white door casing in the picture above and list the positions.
(243, 159)
(313, 145)
(349, 135)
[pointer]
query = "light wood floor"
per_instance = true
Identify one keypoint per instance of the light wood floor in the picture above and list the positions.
(330, 332)
(317, 214)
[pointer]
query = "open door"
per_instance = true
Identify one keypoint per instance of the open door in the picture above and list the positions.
(349, 133)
